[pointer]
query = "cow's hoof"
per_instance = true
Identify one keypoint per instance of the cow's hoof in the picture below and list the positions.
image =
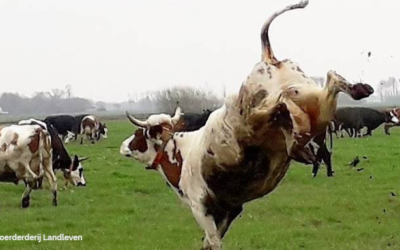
(25, 202)
(330, 174)
(55, 202)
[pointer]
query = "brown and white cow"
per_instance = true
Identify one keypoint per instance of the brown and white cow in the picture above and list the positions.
(246, 146)
(89, 126)
(26, 151)
(388, 126)
(70, 166)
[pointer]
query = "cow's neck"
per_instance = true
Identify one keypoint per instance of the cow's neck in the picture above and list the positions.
(170, 163)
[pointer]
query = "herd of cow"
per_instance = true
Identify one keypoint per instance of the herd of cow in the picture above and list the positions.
(216, 161)
(33, 149)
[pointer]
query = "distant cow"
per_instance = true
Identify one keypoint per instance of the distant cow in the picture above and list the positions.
(372, 118)
(25, 154)
(354, 119)
(88, 126)
(71, 167)
(388, 126)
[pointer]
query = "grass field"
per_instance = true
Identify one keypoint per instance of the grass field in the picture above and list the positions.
(127, 207)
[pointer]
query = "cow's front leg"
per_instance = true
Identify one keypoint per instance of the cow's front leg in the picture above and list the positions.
(212, 239)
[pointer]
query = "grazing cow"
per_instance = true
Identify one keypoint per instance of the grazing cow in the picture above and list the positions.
(25, 154)
(92, 128)
(246, 146)
(388, 126)
(89, 126)
(71, 167)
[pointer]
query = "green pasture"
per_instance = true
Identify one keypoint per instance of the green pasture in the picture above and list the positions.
(125, 206)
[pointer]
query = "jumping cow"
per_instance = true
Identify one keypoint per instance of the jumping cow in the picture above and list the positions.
(71, 167)
(25, 154)
(246, 146)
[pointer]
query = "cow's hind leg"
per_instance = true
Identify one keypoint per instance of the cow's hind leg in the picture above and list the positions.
(51, 178)
(230, 216)
(29, 170)
(26, 194)
(212, 239)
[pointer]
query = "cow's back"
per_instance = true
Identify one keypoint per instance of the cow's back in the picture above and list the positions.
(371, 118)
(62, 123)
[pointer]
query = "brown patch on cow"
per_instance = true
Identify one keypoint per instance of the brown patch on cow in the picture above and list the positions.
(243, 95)
(269, 74)
(3, 147)
(14, 141)
(88, 123)
(258, 97)
(139, 142)
(298, 69)
(34, 144)
(172, 170)
(155, 130)
(261, 70)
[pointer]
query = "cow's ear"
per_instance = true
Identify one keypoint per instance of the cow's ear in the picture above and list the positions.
(154, 130)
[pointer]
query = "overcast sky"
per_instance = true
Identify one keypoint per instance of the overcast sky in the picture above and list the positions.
(109, 49)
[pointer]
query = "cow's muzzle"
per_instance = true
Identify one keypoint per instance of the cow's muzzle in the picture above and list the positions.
(80, 184)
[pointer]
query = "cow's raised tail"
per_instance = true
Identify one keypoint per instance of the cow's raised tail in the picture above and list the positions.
(267, 54)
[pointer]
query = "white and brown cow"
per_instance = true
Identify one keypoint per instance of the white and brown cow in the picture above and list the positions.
(26, 151)
(70, 166)
(395, 112)
(88, 126)
(246, 146)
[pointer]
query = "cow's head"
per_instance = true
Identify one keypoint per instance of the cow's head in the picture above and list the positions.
(102, 132)
(75, 173)
(391, 116)
(71, 136)
(149, 136)
(356, 91)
